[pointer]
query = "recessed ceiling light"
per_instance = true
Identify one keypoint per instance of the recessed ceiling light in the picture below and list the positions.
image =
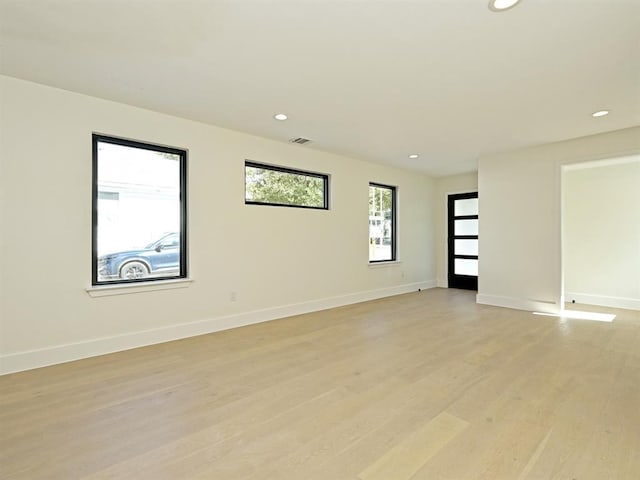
(280, 116)
(600, 113)
(502, 5)
(414, 155)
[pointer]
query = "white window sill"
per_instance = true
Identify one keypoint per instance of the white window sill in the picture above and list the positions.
(127, 288)
(389, 263)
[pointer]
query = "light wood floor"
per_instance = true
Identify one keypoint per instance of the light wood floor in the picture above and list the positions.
(421, 386)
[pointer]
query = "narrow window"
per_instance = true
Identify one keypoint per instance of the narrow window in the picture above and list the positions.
(139, 212)
(382, 223)
(284, 187)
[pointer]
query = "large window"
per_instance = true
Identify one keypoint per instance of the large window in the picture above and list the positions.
(382, 223)
(139, 212)
(269, 185)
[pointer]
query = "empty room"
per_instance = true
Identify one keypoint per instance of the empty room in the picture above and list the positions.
(320, 239)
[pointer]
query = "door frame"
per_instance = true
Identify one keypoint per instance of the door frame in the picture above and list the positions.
(466, 282)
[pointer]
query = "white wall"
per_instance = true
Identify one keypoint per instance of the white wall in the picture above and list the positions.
(601, 233)
(280, 261)
(467, 182)
(520, 241)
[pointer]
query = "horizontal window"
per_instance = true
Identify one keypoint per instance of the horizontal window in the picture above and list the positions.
(139, 212)
(279, 186)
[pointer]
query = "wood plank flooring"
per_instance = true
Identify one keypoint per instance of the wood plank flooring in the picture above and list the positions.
(421, 386)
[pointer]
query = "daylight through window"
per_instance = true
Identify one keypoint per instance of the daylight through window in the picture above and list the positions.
(269, 185)
(139, 211)
(382, 223)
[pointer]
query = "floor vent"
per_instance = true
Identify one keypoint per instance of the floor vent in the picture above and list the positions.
(299, 140)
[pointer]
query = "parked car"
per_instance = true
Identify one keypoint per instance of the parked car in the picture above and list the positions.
(159, 257)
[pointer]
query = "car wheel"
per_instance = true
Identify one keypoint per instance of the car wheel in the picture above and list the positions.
(133, 270)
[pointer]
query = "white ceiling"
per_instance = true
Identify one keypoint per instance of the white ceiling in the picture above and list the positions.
(373, 79)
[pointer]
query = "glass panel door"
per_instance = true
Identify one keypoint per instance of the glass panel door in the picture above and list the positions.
(463, 241)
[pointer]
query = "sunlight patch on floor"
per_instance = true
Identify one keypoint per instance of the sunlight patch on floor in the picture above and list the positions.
(578, 315)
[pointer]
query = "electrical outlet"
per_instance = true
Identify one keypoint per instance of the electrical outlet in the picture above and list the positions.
(233, 296)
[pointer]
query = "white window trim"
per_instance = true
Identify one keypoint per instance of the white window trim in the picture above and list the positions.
(384, 263)
(141, 287)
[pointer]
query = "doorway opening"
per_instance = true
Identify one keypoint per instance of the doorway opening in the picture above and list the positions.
(601, 234)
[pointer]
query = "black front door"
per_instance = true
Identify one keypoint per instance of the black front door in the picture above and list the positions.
(463, 241)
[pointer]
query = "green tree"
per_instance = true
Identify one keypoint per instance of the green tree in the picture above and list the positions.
(380, 201)
(272, 186)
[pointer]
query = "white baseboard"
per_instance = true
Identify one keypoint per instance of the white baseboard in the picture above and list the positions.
(442, 283)
(603, 301)
(28, 360)
(529, 305)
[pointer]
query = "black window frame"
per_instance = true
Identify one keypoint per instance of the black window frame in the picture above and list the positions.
(394, 221)
(182, 154)
(292, 171)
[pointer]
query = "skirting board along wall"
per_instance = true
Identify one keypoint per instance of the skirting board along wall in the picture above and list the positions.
(519, 303)
(65, 353)
(603, 301)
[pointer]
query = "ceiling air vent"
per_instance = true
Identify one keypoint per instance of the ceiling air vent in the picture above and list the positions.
(299, 140)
